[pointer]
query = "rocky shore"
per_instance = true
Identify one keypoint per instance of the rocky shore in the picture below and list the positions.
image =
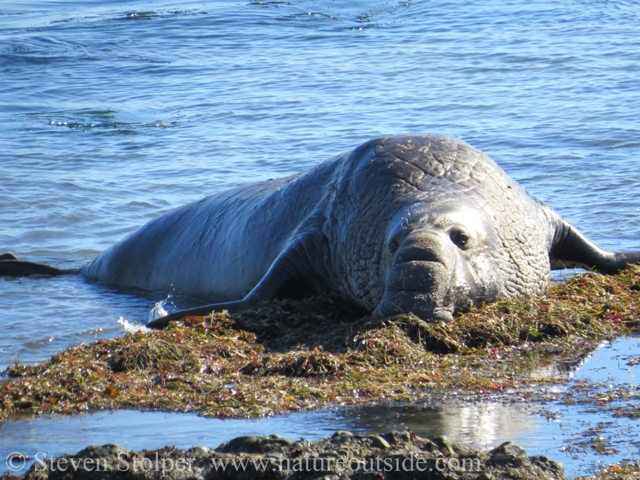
(345, 455)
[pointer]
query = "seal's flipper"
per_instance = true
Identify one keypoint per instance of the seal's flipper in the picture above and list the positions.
(290, 276)
(236, 306)
(12, 266)
(572, 249)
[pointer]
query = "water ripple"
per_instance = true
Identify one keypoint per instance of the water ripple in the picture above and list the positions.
(113, 113)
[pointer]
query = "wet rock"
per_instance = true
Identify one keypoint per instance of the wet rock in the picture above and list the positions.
(551, 464)
(379, 442)
(394, 455)
(397, 438)
(444, 445)
(251, 444)
(464, 451)
(510, 454)
(341, 436)
(486, 476)
(200, 452)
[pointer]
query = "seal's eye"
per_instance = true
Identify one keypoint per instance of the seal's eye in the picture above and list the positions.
(393, 245)
(460, 239)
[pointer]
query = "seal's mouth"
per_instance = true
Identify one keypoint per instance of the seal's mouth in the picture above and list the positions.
(421, 287)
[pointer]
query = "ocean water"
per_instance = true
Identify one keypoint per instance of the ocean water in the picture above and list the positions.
(112, 113)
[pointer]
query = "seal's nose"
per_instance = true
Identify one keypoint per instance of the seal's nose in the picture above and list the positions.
(425, 246)
(421, 278)
(419, 287)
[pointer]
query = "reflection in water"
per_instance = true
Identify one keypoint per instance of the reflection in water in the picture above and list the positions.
(613, 363)
(481, 425)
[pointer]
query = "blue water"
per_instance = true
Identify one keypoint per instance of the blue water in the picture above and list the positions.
(112, 113)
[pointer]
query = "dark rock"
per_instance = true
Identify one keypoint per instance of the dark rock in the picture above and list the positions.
(444, 445)
(393, 456)
(378, 442)
(341, 436)
(510, 454)
(251, 444)
(397, 438)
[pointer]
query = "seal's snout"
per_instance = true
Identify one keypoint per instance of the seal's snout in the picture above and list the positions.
(419, 287)
(420, 278)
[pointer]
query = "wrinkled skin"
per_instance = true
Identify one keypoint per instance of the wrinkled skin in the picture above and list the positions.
(420, 224)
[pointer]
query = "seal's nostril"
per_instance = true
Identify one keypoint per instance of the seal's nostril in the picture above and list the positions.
(417, 253)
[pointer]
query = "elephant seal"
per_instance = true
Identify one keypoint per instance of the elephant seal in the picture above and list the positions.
(411, 223)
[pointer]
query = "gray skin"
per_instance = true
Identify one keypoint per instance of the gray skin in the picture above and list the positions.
(420, 224)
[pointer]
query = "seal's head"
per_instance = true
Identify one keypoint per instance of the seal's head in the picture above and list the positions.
(438, 228)
(439, 260)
